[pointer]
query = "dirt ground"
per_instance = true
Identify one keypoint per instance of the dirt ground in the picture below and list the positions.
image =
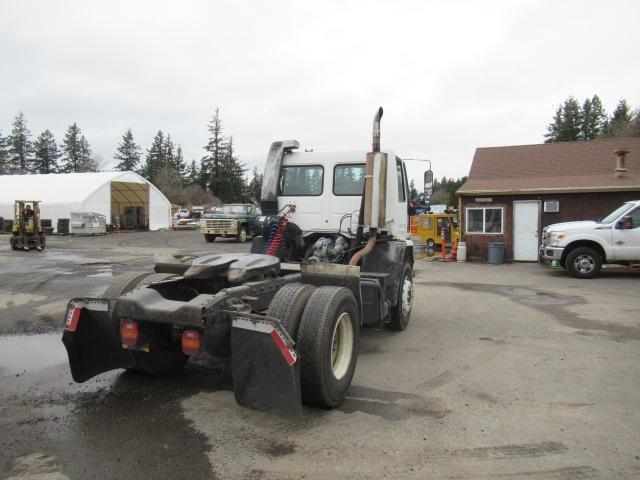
(508, 372)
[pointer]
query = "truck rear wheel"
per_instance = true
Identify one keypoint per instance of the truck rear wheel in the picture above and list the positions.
(401, 312)
(288, 304)
(210, 238)
(583, 262)
(328, 346)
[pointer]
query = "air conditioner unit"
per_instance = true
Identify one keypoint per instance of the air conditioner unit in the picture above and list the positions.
(552, 206)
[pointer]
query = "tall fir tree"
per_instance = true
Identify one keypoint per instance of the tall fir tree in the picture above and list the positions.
(20, 146)
(254, 189)
(169, 152)
(234, 171)
(192, 176)
(179, 165)
(620, 121)
(571, 120)
(46, 154)
(128, 153)
(72, 150)
(211, 163)
(593, 118)
(553, 129)
(4, 155)
(87, 162)
(155, 160)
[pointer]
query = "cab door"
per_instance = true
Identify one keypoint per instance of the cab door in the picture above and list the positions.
(626, 241)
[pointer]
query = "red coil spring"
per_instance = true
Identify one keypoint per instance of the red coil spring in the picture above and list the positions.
(277, 238)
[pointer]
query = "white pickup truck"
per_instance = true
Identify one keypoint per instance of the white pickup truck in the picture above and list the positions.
(582, 248)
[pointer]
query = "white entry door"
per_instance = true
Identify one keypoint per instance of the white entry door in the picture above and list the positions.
(526, 218)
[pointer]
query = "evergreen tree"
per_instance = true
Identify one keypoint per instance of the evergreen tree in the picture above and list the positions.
(87, 162)
(413, 192)
(211, 163)
(72, 150)
(20, 146)
(233, 170)
(169, 152)
(179, 165)
(155, 161)
(128, 153)
(4, 155)
(553, 129)
(254, 189)
(593, 118)
(571, 121)
(620, 120)
(192, 176)
(46, 154)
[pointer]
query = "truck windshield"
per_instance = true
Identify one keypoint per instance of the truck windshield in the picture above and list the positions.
(616, 213)
(233, 209)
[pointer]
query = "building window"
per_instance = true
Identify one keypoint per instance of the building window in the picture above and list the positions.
(484, 220)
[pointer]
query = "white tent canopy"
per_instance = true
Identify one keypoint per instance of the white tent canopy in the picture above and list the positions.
(122, 197)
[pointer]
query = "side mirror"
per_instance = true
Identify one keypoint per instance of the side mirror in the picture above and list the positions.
(428, 183)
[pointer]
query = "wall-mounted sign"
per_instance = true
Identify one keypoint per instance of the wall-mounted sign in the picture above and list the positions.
(483, 200)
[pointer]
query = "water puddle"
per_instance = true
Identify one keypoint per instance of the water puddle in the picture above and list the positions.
(101, 274)
(30, 353)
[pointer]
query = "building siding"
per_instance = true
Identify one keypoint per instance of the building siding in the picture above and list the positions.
(573, 206)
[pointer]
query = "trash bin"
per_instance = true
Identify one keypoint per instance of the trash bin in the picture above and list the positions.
(496, 253)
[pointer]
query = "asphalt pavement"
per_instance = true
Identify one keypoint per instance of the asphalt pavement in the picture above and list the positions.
(506, 371)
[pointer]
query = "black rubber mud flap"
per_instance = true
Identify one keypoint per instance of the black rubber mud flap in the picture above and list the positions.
(265, 366)
(92, 341)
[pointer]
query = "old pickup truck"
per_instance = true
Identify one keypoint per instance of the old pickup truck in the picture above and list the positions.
(229, 221)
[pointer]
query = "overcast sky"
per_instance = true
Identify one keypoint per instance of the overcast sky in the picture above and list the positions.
(451, 76)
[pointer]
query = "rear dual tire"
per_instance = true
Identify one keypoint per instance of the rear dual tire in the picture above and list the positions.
(324, 323)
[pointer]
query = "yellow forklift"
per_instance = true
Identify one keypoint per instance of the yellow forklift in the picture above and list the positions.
(27, 231)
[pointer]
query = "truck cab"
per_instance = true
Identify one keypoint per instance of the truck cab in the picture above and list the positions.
(326, 189)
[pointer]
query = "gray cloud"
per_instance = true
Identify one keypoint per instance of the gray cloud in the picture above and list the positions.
(451, 76)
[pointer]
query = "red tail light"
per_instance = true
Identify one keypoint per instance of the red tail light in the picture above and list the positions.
(191, 342)
(73, 315)
(414, 229)
(129, 333)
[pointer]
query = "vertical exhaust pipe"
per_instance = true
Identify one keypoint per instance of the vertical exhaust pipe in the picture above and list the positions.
(376, 130)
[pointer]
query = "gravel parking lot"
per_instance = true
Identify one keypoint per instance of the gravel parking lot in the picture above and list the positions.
(508, 371)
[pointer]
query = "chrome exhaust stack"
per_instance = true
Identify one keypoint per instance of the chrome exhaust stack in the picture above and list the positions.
(376, 130)
(375, 186)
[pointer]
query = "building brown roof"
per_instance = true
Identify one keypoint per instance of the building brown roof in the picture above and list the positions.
(553, 167)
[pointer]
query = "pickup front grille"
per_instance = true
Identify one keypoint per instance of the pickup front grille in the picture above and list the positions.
(218, 224)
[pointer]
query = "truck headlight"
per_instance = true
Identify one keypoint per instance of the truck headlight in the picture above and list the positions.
(555, 237)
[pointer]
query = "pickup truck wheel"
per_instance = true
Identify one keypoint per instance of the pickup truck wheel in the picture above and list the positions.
(328, 345)
(431, 244)
(288, 305)
(210, 238)
(401, 312)
(242, 235)
(583, 262)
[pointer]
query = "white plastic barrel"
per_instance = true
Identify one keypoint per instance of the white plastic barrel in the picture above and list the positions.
(462, 252)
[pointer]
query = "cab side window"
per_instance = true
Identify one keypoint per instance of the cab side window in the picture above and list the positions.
(635, 215)
(402, 194)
